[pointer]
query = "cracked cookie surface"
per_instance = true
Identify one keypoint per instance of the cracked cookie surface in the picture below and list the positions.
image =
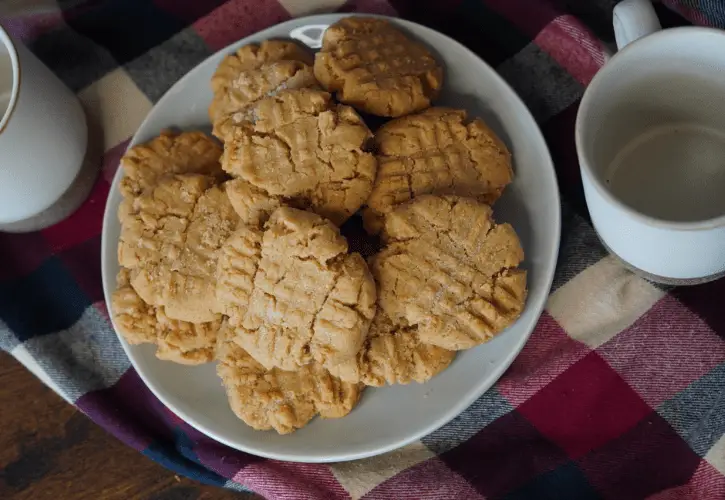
(374, 67)
(310, 301)
(436, 152)
(393, 354)
(281, 400)
(306, 151)
(231, 102)
(450, 270)
(178, 341)
(170, 238)
(169, 153)
(253, 56)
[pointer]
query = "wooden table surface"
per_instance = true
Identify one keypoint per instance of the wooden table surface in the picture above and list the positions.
(49, 450)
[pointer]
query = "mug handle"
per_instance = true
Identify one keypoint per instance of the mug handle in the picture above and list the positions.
(632, 20)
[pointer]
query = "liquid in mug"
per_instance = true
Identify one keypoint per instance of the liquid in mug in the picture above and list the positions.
(673, 172)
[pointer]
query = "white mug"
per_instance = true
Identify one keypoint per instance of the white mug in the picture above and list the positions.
(43, 142)
(650, 136)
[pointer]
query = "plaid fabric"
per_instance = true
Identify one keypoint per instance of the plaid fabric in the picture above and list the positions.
(620, 392)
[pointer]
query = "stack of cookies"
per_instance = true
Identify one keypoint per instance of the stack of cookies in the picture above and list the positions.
(234, 254)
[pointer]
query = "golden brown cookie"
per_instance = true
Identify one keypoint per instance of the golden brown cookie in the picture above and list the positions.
(252, 72)
(169, 153)
(436, 152)
(178, 341)
(281, 400)
(135, 319)
(310, 300)
(253, 56)
(237, 267)
(306, 151)
(230, 103)
(252, 204)
(153, 224)
(376, 68)
(450, 270)
(393, 354)
(170, 238)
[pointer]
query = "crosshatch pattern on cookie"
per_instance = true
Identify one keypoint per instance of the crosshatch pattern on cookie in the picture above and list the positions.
(494, 30)
(377, 68)
(304, 148)
(459, 285)
(438, 151)
(308, 299)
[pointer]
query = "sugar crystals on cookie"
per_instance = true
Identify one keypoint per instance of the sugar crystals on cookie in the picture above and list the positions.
(254, 72)
(171, 238)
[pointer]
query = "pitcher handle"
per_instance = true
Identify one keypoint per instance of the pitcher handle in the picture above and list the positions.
(632, 20)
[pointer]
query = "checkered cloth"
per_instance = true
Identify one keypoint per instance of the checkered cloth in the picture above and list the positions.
(619, 393)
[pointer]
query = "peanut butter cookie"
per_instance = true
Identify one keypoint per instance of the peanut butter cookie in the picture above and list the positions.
(249, 86)
(450, 270)
(306, 151)
(310, 301)
(237, 267)
(281, 400)
(436, 152)
(252, 204)
(253, 56)
(255, 71)
(178, 341)
(393, 354)
(169, 153)
(376, 68)
(170, 238)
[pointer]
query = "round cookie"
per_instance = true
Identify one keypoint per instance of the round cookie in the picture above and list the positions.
(249, 86)
(253, 56)
(376, 68)
(153, 223)
(306, 151)
(436, 152)
(170, 239)
(169, 153)
(281, 400)
(309, 300)
(178, 341)
(393, 354)
(450, 270)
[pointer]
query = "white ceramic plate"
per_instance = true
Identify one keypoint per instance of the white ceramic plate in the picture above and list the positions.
(389, 417)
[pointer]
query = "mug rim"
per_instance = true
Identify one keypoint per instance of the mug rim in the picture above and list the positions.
(15, 63)
(584, 106)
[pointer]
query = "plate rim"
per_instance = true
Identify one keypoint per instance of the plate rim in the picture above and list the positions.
(468, 399)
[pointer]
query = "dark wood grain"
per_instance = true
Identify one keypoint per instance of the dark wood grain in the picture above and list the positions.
(49, 450)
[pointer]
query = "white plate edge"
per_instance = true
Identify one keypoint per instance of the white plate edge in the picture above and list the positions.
(547, 163)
